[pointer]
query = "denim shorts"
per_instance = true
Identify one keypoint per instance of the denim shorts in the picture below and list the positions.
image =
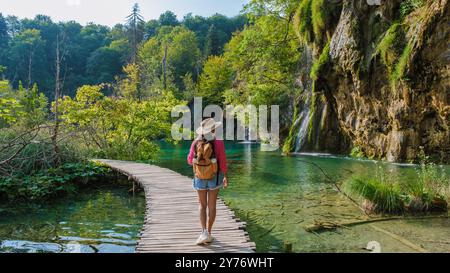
(208, 184)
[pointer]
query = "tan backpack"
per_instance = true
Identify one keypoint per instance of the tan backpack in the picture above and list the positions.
(205, 164)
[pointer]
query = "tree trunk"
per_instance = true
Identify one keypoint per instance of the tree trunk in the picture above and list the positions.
(134, 41)
(59, 56)
(30, 65)
(165, 67)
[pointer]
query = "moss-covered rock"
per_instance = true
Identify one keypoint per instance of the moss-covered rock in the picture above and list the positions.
(384, 77)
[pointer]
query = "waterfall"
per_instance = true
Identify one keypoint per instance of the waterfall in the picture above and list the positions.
(303, 119)
(304, 116)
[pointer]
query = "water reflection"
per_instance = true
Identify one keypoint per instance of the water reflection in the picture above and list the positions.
(105, 219)
(278, 196)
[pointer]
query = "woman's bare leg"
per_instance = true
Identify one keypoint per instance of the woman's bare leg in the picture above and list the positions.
(202, 199)
(212, 201)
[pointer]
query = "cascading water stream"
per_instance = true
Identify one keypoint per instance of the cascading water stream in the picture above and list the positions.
(304, 117)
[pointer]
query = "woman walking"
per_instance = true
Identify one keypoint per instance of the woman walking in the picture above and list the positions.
(208, 158)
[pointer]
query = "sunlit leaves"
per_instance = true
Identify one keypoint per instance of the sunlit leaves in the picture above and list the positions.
(116, 127)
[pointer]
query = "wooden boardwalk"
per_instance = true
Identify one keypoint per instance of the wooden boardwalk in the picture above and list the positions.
(172, 221)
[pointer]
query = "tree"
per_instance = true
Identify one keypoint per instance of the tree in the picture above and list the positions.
(14, 25)
(4, 38)
(25, 54)
(265, 60)
(165, 59)
(33, 107)
(128, 87)
(103, 65)
(217, 77)
(135, 22)
(4, 41)
(183, 54)
(22, 114)
(212, 46)
(168, 18)
(118, 128)
(151, 29)
(60, 56)
(8, 105)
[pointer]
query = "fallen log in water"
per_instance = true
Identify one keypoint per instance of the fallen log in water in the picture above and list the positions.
(320, 226)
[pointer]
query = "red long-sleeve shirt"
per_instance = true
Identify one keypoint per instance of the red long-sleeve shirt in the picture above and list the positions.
(219, 150)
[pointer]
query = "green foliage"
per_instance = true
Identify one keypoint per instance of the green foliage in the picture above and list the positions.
(215, 79)
(4, 40)
(183, 54)
(303, 21)
(26, 108)
(51, 182)
(9, 106)
(25, 56)
(95, 54)
(312, 19)
(213, 46)
(118, 128)
(320, 63)
(384, 193)
(408, 6)
(387, 46)
(357, 152)
(265, 61)
(402, 64)
(289, 144)
(421, 193)
(168, 18)
(395, 52)
(128, 87)
(182, 58)
(224, 28)
(105, 62)
(318, 18)
(432, 182)
(33, 107)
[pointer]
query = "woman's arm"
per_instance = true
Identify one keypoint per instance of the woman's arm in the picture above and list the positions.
(219, 146)
(191, 155)
(221, 156)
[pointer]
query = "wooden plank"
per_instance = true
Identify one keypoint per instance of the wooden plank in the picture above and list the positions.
(171, 217)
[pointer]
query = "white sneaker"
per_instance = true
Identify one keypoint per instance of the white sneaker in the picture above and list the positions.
(210, 239)
(203, 238)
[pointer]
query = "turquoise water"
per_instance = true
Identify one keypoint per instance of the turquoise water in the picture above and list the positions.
(103, 219)
(278, 196)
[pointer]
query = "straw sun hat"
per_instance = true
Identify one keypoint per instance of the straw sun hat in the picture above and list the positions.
(207, 126)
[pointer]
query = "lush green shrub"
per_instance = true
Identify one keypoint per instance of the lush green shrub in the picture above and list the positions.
(51, 182)
(289, 143)
(39, 152)
(320, 63)
(432, 184)
(117, 128)
(357, 152)
(303, 21)
(387, 46)
(428, 191)
(395, 51)
(402, 64)
(318, 17)
(384, 194)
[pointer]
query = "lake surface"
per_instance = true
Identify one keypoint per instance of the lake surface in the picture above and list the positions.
(104, 219)
(278, 196)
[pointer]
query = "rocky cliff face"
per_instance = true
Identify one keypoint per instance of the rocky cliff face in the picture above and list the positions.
(383, 85)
